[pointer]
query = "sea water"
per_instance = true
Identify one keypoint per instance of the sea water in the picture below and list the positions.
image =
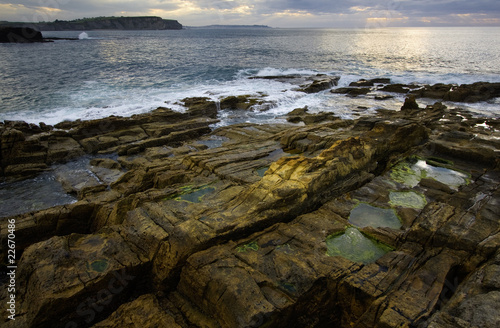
(104, 73)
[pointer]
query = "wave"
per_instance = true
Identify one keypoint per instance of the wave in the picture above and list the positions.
(96, 99)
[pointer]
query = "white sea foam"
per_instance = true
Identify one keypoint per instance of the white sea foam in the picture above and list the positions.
(97, 100)
(83, 36)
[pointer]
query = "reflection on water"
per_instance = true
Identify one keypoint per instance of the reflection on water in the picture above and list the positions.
(129, 72)
(428, 50)
(410, 174)
(365, 215)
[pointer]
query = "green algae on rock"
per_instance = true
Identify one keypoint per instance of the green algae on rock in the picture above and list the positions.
(355, 246)
(364, 215)
(99, 265)
(408, 199)
(250, 246)
(403, 173)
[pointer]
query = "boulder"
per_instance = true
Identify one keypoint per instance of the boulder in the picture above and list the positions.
(239, 102)
(410, 104)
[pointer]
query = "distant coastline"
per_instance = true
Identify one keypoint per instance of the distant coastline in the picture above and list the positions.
(102, 23)
(228, 26)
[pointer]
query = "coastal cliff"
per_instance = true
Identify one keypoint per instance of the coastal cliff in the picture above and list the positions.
(106, 23)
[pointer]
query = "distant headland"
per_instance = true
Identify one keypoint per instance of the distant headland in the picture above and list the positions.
(102, 23)
(228, 26)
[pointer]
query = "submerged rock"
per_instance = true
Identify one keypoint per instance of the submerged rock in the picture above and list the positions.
(356, 247)
(365, 215)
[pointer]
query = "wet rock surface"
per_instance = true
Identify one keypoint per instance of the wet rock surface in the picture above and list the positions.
(307, 84)
(384, 88)
(383, 221)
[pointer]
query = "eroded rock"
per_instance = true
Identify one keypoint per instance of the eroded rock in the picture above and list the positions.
(238, 232)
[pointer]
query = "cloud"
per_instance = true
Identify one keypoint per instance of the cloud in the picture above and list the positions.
(307, 13)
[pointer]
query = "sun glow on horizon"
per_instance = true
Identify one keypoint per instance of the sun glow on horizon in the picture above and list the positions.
(274, 13)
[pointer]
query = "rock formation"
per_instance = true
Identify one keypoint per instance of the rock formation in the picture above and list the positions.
(386, 221)
(19, 35)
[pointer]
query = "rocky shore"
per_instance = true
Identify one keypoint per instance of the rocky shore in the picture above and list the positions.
(382, 221)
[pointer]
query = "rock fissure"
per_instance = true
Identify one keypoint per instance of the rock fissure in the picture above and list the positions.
(253, 251)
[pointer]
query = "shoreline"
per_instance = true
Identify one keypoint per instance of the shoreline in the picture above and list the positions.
(374, 96)
(177, 224)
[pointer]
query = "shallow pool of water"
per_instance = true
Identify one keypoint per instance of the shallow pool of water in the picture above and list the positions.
(30, 195)
(410, 174)
(452, 178)
(262, 171)
(365, 215)
(408, 199)
(196, 195)
(213, 141)
(355, 246)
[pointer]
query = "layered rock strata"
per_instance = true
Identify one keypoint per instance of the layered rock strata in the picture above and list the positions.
(388, 221)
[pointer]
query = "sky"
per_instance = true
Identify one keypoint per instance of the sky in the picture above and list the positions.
(275, 13)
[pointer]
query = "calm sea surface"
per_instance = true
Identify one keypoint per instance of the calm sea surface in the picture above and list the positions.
(129, 72)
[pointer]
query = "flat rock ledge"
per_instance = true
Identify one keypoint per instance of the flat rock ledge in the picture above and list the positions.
(387, 221)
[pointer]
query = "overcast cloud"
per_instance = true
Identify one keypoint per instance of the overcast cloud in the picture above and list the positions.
(276, 13)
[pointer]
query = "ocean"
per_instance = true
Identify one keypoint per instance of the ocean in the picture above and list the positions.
(128, 72)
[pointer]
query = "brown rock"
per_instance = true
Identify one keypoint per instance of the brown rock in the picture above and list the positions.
(320, 83)
(410, 104)
(201, 107)
(240, 234)
(144, 312)
(89, 273)
(396, 88)
(239, 102)
(370, 83)
(353, 92)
